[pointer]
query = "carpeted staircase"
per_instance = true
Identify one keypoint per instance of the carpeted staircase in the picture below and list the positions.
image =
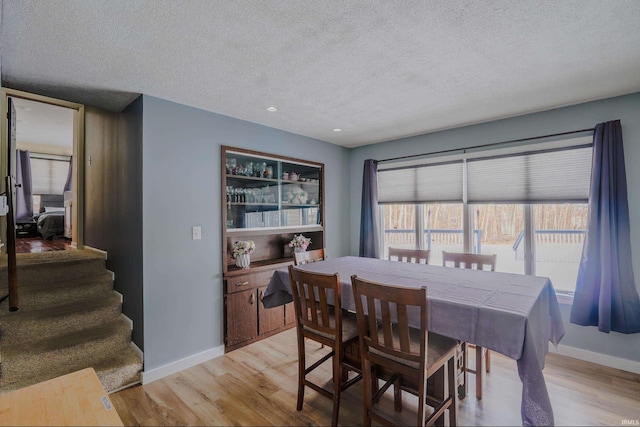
(69, 318)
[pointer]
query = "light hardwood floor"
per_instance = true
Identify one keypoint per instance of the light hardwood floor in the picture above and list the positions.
(256, 385)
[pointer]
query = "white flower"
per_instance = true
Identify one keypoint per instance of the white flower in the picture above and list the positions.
(242, 247)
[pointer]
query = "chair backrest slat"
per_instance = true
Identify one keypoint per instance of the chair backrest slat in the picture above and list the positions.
(469, 261)
(417, 256)
(395, 304)
(300, 258)
(386, 323)
(403, 319)
(312, 293)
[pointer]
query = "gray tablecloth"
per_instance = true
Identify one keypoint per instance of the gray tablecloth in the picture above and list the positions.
(512, 314)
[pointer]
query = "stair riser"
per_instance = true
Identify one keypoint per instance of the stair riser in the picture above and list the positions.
(23, 331)
(114, 373)
(54, 272)
(125, 375)
(58, 293)
(83, 354)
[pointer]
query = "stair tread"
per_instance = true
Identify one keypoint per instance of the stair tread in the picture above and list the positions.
(124, 364)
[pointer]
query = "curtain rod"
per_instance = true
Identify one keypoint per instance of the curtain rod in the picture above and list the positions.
(486, 145)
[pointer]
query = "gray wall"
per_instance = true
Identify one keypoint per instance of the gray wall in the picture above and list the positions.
(113, 201)
(183, 306)
(626, 108)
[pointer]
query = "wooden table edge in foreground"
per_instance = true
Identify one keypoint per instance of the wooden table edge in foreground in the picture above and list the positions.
(76, 399)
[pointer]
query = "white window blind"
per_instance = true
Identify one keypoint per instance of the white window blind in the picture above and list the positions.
(437, 182)
(560, 175)
(48, 176)
(547, 172)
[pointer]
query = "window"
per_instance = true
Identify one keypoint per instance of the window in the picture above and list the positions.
(433, 226)
(399, 222)
(526, 204)
(501, 231)
(49, 173)
(559, 231)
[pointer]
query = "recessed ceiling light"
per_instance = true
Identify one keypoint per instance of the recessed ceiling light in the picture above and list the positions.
(271, 109)
(337, 130)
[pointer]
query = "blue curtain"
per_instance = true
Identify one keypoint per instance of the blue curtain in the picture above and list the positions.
(24, 192)
(369, 223)
(606, 294)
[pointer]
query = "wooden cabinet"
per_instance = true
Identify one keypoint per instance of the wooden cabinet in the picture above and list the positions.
(242, 322)
(246, 319)
(267, 199)
(269, 319)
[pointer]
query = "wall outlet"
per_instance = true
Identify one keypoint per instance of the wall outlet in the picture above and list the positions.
(196, 232)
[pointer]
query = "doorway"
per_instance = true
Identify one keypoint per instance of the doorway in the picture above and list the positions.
(50, 145)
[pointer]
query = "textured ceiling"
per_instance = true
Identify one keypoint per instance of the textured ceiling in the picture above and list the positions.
(378, 69)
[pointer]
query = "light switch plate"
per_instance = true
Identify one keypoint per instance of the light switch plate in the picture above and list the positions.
(196, 231)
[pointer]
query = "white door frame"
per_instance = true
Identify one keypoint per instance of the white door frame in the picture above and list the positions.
(77, 183)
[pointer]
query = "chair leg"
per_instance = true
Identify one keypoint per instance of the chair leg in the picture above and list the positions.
(453, 409)
(479, 372)
(301, 369)
(337, 387)
(397, 395)
(487, 360)
(369, 390)
(461, 370)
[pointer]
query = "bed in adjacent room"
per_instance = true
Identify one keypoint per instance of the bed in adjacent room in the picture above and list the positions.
(50, 220)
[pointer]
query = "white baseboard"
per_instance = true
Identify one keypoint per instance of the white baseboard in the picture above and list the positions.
(187, 362)
(96, 251)
(599, 358)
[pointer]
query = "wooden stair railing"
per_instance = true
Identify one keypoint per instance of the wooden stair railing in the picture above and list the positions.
(12, 268)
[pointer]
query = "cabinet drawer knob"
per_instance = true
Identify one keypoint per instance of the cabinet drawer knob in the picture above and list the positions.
(252, 299)
(243, 283)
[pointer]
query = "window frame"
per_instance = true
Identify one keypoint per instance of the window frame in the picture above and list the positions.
(564, 297)
(528, 207)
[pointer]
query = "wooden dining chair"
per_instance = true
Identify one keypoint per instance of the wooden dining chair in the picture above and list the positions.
(319, 317)
(300, 258)
(476, 262)
(418, 256)
(407, 356)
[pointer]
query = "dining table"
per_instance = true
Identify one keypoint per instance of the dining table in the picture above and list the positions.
(513, 314)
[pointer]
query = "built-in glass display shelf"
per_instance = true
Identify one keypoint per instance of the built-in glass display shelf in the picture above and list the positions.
(267, 192)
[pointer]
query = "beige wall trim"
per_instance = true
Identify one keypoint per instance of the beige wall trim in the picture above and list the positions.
(77, 224)
(599, 358)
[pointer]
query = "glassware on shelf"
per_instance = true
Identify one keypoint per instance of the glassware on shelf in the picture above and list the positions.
(248, 169)
(231, 165)
(261, 167)
(268, 172)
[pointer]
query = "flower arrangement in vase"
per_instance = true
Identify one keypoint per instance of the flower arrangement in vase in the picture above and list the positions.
(299, 243)
(241, 252)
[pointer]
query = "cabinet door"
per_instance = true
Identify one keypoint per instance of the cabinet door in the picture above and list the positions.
(269, 319)
(289, 314)
(242, 316)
